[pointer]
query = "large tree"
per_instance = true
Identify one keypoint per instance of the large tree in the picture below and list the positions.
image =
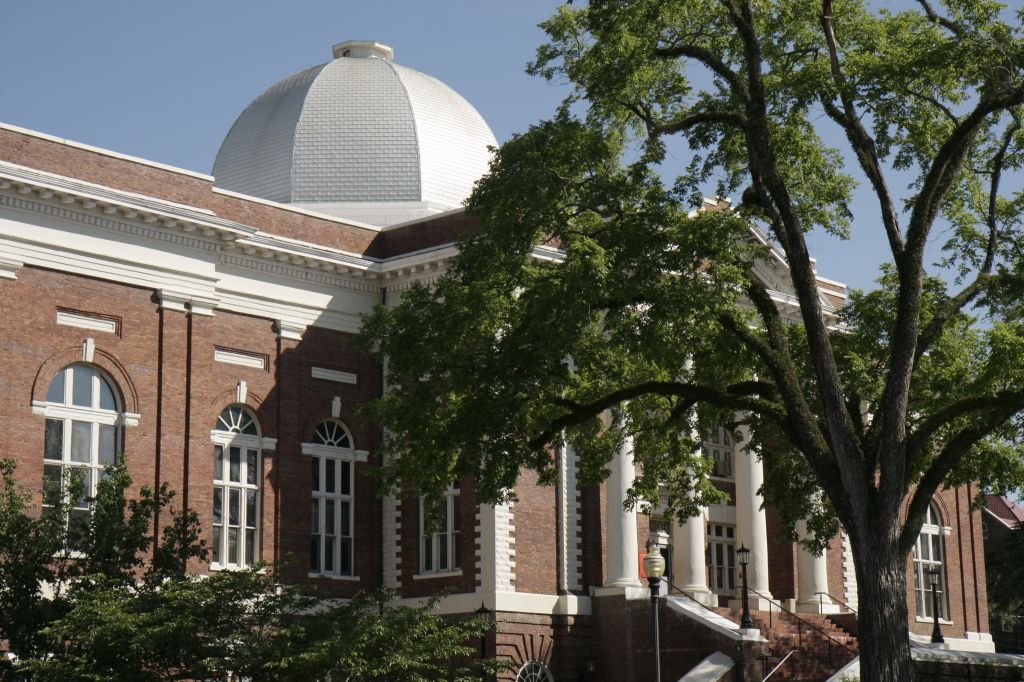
(594, 303)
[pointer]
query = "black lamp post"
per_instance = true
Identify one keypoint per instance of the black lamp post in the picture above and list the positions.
(746, 622)
(934, 575)
(654, 568)
(484, 616)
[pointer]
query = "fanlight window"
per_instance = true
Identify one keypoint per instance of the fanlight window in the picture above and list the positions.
(236, 419)
(332, 434)
(82, 437)
(929, 556)
(535, 671)
(236, 489)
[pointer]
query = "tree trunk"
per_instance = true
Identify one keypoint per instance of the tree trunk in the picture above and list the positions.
(884, 630)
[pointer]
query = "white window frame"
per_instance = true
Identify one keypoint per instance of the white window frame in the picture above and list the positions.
(95, 417)
(226, 440)
(729, 571)
(932, 530)
(448, 537)
(719, 447)
(320, 455)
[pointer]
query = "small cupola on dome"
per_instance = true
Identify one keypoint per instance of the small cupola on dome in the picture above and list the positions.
(359, 137)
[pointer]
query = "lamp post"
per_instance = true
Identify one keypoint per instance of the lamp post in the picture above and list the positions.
(483, 616)
(654, 568)
(746, 622)
(934, 575)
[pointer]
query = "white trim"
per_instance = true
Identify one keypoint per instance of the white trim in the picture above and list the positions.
(346, 454)
(291, 330)
(9, 268)
(929, 621)
(240, 358)
(86, 321)
(510, 602)
(336, 376)
(88, 349)
(442, 574)
(325, 576)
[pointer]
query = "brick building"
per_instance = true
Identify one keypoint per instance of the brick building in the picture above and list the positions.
(201, 324)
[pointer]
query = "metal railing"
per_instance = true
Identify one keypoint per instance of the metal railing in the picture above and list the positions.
(779, 665)
(800, 626)
(837, 600)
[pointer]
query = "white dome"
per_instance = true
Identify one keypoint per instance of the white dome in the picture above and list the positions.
(359, 137)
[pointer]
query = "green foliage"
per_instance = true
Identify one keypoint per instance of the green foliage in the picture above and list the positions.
(1004, 568)
(595, 306)
(103, 613)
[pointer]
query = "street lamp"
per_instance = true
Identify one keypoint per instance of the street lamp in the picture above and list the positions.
(934, 575)
(654, 568)
(746, 622)
(484, 616)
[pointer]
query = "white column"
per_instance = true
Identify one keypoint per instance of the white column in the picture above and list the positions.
(812, 579)
(751, 527)
(623, 557)
(688, 569)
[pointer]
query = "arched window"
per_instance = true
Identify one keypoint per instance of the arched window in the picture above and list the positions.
(332, 485)
(83, 435)
(236, 476)
(928, 556)
(535, 671)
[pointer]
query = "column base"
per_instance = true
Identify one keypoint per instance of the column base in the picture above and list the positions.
(756, 603)
(700, 594)
(814, 606)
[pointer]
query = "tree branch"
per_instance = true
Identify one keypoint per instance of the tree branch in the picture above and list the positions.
(919, 439)
(581, 412)
(708, 59)
(863, 144)
(728, 117)
(951, 26)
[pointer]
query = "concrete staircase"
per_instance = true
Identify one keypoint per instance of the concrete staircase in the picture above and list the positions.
(820, 646)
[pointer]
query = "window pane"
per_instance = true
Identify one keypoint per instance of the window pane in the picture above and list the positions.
(442, 546)
(428, 553)
(78, 528)
(216, 544)
(51, 484)
(232, 545)
(81, 441)
(81, 386)
(314, 553)
(233, 507)
(456, 521)
(83, 478)
(346, 478)
(315, 524)
(218, 463)
(329, 475)
(329, 517)
(345, 564)
(936, 548)
(235, 466)
(218, 506)
(55, 393)
(328, 554)
(250, 547)
(107, 401)
(108, 445)
(54, 443)
(345, 528)
(250, 476)
(456, 552)
(316, 473)
(250, 508)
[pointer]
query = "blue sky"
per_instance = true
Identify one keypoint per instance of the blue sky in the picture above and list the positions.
(165, 80)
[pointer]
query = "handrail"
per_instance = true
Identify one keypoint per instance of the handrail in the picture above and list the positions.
(775, 669)
(783, 609)
(672, 586)
(836, 600)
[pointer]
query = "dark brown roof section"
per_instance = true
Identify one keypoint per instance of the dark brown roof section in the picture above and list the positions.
(1007, 510)
(423, 234)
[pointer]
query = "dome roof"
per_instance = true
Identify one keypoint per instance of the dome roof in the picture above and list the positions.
(360, 137)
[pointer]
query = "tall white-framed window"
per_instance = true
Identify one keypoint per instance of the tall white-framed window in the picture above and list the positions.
(719, 447)
(83, 436)
(236, 498)
(440, 552)
(332, 458)
(929, 555)
(721, 558)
